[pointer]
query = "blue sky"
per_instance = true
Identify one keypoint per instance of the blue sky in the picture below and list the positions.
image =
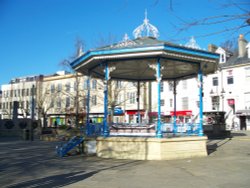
(36, 35)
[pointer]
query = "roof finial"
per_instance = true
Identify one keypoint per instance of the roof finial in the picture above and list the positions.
(192, 43)
(146, 29)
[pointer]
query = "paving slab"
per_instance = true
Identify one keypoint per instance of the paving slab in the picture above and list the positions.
(35, 164)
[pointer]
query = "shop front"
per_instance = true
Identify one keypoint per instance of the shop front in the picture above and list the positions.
(244, 119)
(183, 116)
(134, 116)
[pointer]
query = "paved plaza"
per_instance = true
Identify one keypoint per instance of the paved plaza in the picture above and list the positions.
(35, 164)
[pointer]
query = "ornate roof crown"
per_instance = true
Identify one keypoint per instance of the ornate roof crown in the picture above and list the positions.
(146, 29)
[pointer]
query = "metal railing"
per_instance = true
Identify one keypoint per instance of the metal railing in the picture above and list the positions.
(185, 129)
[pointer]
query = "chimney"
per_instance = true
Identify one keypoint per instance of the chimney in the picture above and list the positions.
(242, 43)
(212, 48)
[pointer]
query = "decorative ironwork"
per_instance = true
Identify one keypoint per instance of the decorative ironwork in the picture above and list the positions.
(192, 44)
(154, 67)
(110, 69)
(146, 29)
(126, 42)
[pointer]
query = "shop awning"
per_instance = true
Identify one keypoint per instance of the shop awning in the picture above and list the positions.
(134, 112)
(182, 113)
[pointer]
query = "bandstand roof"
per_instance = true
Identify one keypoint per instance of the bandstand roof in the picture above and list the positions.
(131, 60)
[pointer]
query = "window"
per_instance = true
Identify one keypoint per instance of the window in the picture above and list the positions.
(162, 102)
(52, 88)
(67, 102)
(27, 92)
(0, 105)
(93, 100)
(222, 58)
(230, 80)
(59, 87)
(27, 104)
(215, 81)
(215, 102)
(23, 92)
(162, 86)
(85, 84)
(94, 84)
(131, 97)
(22, 104)
(185, 103)
(118, 84)
(67, 87)
(171, 103)
(170, 86)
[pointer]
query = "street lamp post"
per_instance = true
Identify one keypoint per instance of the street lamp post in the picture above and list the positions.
(32, 111)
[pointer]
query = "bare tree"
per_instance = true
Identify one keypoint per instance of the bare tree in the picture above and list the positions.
(44, 101)
(77, 96)
(243, 19)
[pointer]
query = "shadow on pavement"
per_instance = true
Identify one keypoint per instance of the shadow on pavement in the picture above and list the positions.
(233, 134)
(64, 179)
(213, 145)
(55, 181)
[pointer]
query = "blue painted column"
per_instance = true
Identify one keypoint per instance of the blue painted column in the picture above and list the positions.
(200, 79)
(138, 102)
(105, 120)
(158, 72)
(175, 126)
(88, 106)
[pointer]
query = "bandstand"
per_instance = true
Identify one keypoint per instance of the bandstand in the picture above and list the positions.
(145, 59)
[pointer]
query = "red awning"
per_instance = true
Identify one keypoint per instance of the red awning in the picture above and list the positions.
(182, 113)
(134, 112)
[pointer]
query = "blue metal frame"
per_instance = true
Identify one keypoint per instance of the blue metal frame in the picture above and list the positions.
(200, 78)
(175, 126)
(158, 71)
(138, 102)
(72, 143)
(88, 105)
(105, 120)
(165, 47)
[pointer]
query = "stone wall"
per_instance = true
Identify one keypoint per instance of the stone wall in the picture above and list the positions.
(138, 148)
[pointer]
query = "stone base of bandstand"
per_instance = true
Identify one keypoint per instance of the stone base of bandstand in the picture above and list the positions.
(142, 148)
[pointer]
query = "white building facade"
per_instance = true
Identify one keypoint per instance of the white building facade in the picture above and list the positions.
(228, 89)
